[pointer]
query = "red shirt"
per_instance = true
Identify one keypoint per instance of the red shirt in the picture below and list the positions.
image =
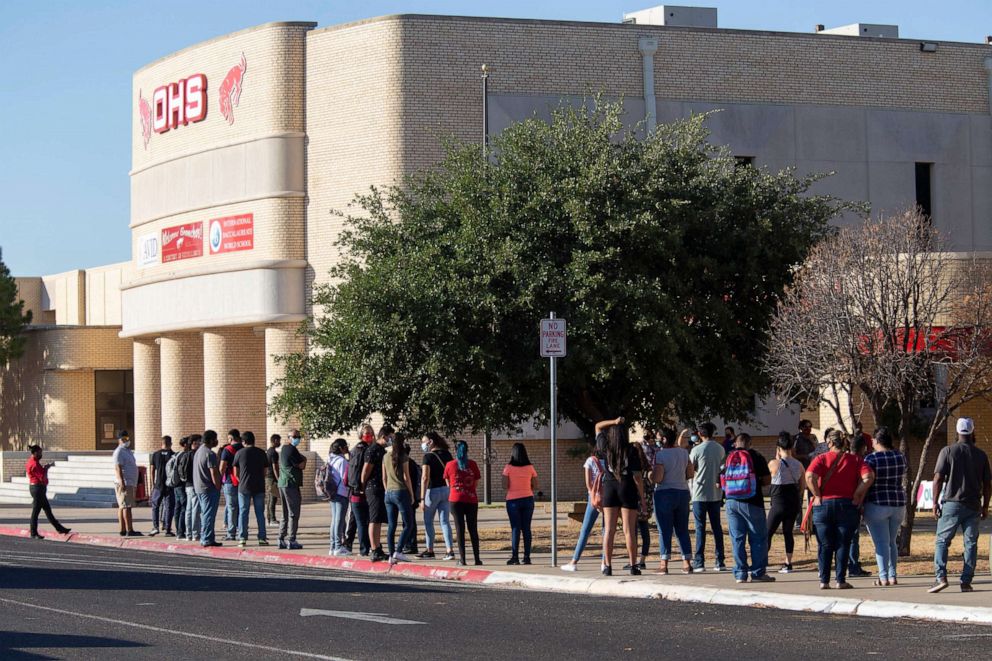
(845, 478)
(37, 474)
(462, 482)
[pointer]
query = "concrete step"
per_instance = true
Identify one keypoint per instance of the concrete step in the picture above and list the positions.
(70, 482)
(74, 494)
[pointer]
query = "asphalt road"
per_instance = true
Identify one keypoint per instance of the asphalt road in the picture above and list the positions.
(76, 602)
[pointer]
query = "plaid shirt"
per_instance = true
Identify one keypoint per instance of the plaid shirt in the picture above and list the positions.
(889, 467)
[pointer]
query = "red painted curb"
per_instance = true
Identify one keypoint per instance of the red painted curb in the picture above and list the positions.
(267, 556)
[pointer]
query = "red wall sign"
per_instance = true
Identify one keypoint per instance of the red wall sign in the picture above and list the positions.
(178, 104)
(232, 233)
(182, 242)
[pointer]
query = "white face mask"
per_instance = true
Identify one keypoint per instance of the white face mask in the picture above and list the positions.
(425, 447)
(127, 444)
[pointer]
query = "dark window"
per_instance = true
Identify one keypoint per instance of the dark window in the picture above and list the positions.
(114, 405)
(744, 161)
(924, 182)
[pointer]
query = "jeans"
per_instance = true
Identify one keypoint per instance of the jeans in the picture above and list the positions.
(180, 515)
(671, 512)
(163, 505)
(339, 520)
(271, 499)
(588, 521)
(700, 511)
(358, 525)
(244, 501)
(883, 526)
(398, 504)
(291, 501)
(39, 502)
(192, 513)
(521, 512)
(231, 515)
(748, 528)
(437, 501)
(208, 515)
(952, 516)
(836, 522)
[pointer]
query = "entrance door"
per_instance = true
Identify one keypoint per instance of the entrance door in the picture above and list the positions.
(114, 405)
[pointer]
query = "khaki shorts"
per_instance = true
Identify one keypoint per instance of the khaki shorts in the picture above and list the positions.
(125, 496)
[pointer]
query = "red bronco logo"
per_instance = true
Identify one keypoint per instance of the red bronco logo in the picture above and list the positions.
(230, 90)
(145, 113)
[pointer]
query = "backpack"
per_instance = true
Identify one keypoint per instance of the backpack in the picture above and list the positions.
(355, 466)
(416, 474)
(172, 471)
(229, 449)
(596, 494)
(326, 482)
(738, 480)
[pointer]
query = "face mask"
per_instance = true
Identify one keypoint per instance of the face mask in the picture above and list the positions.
(127, 444)
(296, 441)
(694, 438)
(424, 447)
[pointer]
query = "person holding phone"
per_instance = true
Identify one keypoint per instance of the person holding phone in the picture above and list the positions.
(38, 486)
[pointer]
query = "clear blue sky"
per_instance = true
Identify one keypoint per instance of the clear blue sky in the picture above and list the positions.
(65, 86)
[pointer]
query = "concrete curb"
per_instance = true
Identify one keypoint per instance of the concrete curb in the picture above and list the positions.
(621, 587)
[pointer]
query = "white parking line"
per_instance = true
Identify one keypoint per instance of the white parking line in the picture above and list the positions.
(148, 627)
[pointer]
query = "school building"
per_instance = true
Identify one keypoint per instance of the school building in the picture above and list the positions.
(244, 145)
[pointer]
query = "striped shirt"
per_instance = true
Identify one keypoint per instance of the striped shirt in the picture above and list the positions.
(890, 467)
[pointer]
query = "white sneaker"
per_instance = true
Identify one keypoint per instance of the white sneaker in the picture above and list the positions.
(569, 567)
(401, 557)
(342, 552)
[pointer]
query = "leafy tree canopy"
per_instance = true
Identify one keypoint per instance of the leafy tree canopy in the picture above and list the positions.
(13, 318)
(664, 255)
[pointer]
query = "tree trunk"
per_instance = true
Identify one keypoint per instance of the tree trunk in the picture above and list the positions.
(905, 538)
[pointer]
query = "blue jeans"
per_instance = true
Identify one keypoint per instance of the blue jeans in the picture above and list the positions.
(671, 512)
(748, 528)
(587, 524)
(883, 525)
(231, 516)
(339, 521)
(208, 515)
(180, 522)
(192, 514)
(163, 504)
(836, 522)
(952, 516)
(700, 511)
(436, 500)
(244, 500)
(398, 504)
(521, 512)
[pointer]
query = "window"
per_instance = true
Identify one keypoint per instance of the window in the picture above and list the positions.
(924, 182)
(114, 398)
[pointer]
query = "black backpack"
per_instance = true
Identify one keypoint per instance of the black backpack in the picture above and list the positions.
(355, 466)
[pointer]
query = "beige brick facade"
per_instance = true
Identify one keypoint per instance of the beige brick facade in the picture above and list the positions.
(234, 380)
(182, 383)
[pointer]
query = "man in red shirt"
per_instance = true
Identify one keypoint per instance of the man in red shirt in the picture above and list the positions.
(38, 485)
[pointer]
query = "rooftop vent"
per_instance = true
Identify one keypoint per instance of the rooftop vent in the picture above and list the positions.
(684, 17)
(863, 30)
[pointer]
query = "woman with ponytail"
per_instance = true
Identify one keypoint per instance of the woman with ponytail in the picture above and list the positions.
(398, 499)
(623, 492)
(461, 475)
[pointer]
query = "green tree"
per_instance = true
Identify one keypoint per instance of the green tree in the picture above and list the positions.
(13, 318)
(665, 257)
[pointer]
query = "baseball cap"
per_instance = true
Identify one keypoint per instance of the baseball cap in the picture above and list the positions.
(123, 434)
(966, 426)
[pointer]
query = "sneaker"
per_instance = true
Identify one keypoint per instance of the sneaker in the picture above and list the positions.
(764, 578)
(283, 544)
(449, 556)
(843, 586)
(635, 571)
(786, 569)
(428, 554)
(402, 557)
(379, 556)
(938, 585)
(242, 543)
(65, 531)
(741, 580)
(966, 587)
(515, 561)
(169, 533)
(263, 542)
(209, 544)
(722, 568)
(135, 533)
(640, 565)
(295, 546)
(858, 573)
(153, 532)
(698, 570)
(478, 563)
(342, 552)
(570, 567)
(229, 538)
(35, 535)
(123, 533)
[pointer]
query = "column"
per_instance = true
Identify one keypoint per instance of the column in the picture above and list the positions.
(147, 430)
(181, 356)
(280, 339)
(234, 381)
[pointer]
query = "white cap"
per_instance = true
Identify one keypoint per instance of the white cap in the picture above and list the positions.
(966, 426)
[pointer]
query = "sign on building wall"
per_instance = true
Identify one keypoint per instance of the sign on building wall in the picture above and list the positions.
(232, 233)
(182, 242)
(148, 249)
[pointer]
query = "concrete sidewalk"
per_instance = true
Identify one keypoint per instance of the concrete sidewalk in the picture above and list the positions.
(797, 591)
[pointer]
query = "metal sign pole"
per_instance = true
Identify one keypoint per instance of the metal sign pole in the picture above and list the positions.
(554, 459)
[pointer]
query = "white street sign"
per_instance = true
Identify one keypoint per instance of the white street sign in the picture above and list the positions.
(553, 338)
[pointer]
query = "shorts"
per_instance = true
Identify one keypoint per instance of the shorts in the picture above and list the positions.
(376, 498)
(125, 496)
(620, 494)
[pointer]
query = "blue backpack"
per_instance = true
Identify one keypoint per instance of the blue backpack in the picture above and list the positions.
(738, 480)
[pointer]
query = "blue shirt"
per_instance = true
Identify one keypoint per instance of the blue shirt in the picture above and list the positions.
(890, 467)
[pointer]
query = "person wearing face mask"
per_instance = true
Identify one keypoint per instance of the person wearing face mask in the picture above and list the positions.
(707, 497)
(358, 522)
(125, 482)
(375, 494)
(435, 492)
(291, 465)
